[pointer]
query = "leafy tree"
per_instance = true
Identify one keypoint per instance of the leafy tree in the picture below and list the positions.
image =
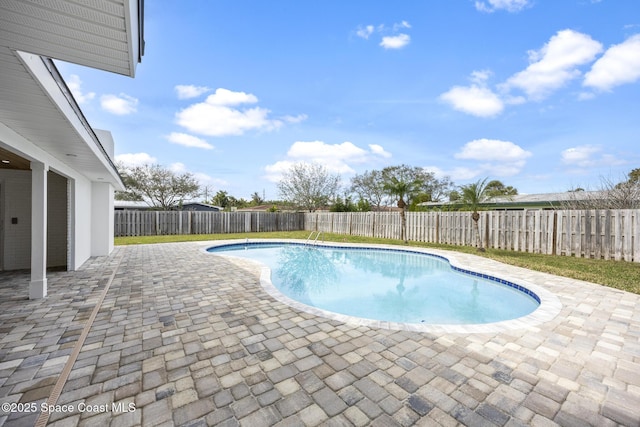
(471, 197)
(369, 186)
(419, 198)
(256, 200)
(436, 189)
(347, 205)
(497, 188)
(158, 186)
(221, 199)
(308, 186)
(363, 206)
(403, 183)
(343, 205)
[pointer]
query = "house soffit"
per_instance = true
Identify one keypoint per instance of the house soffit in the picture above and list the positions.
(29, 110)
(105, 35)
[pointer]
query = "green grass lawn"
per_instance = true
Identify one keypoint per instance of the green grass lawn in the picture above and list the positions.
(615, 274)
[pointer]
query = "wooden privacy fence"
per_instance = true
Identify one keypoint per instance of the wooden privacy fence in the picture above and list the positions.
(153, 223)
(608, 234)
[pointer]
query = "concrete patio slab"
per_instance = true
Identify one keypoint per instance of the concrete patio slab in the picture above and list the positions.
(163, 335)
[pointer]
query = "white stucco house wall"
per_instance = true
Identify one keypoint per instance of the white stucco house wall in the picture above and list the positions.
(57, 176)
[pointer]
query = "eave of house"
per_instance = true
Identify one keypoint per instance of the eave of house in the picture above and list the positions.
(37, 108)
(105, 35)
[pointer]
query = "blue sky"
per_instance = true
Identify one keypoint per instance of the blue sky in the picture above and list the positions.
(540, 94)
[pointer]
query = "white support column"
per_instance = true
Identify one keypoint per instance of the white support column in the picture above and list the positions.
(38, 285)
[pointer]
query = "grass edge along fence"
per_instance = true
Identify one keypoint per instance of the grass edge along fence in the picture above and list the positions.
(599, 234)
(159, 223)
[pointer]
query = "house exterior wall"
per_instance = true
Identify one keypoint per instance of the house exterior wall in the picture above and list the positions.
(78, 225)
(101, 218)
(16, 191)
(80, 202)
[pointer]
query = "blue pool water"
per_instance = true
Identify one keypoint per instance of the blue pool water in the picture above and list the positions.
(389, 285)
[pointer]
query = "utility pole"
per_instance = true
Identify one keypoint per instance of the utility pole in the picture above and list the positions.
(206, 193)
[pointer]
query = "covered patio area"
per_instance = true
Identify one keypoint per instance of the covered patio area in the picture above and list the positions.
(169, 335)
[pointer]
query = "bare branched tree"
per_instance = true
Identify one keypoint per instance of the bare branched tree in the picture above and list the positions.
(158, 186)
(309, 186)
(611, 195)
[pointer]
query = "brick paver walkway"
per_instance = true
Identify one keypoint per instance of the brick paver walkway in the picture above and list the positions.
(187, 338)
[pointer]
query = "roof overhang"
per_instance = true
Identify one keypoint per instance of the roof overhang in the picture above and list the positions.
(37, 108)
(39, 118)
(105, 35)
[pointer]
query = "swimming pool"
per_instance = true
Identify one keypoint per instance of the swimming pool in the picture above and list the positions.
(384, 286)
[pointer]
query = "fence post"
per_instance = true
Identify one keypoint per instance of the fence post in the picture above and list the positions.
(486, 231)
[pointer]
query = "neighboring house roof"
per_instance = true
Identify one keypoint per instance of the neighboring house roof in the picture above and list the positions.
(542, 200)
(37, 106)
(141, 205)
(259, 208)
(197, 206)
(130, 205)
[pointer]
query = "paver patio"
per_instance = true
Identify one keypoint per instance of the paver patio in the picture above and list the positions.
(181, 337)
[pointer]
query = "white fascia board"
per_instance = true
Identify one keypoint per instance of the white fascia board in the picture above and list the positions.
(133, 33)
(41, 74)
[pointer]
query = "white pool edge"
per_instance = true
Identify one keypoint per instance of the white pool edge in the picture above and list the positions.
(548, 309)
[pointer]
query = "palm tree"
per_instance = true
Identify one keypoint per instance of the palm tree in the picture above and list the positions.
(402, 182)
(471, 197)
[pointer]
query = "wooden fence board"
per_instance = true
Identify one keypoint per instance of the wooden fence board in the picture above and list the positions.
(589, 233)
(600, 234)
(146, 223)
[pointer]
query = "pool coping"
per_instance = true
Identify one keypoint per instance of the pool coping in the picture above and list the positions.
(548, 309)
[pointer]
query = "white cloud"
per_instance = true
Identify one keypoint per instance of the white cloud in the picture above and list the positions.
(365, 32)
(492, 150)
(217, 117)
(190, 91)
(497, 157)
(379, 150)
(337, 158)
(587, 156)
(202, 178)
(120, 105)
(135, 159)
(188, 140)
(555, 64)
(334, 157)
(206, 180)
(403, 24)
(227, 97)
(476, 100)
(275, 171)
(620, 64)
(508, 5)
(581, 156)
(75, 86)
(391, 39)
(295, 119)
(177, 167)
(395, 42)
(456, 174)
